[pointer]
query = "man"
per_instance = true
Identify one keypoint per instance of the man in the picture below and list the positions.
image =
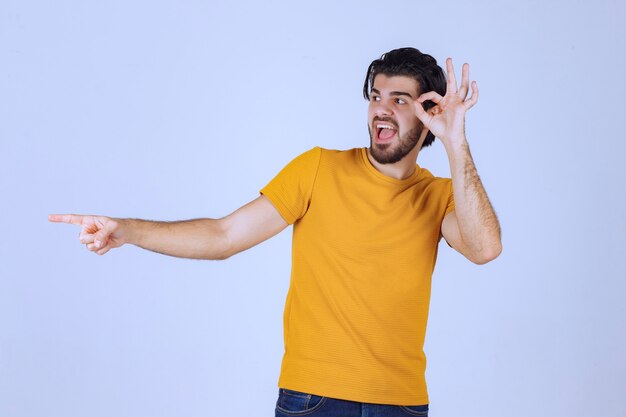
(367, 223)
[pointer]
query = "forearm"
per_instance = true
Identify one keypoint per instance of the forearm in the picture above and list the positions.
(196, 239)
(477, 221)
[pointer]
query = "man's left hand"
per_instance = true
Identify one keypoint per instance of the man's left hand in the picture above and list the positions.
(446, 120)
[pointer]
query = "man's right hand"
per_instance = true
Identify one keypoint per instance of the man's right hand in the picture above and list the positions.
(196, 239)
(99, 233)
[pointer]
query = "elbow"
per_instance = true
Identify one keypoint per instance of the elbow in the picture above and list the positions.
(226, 250)
(226, 253)
(488, 254)
(220, 256)
(213, 255)
(219, 246)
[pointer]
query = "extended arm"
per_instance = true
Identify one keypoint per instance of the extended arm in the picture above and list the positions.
(196, 239)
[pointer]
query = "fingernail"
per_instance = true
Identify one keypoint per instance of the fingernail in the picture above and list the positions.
(98, 243)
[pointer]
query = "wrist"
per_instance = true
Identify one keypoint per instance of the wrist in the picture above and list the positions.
(456, 144)
(128, 231)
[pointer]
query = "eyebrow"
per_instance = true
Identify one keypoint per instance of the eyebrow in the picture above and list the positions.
(393, 93)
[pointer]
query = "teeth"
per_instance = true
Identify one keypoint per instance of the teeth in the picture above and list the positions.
(385, 127)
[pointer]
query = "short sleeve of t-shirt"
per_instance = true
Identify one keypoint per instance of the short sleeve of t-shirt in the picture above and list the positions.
(290, 191)
(450, 206)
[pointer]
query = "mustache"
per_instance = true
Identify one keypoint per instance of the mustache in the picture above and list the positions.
(386, 120)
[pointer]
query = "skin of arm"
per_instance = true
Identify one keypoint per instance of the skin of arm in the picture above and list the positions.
(473, 228)
(196, 239)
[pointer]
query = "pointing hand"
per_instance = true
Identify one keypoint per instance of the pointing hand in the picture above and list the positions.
(99, 233)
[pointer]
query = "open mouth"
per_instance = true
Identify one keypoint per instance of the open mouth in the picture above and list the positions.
(385, 132)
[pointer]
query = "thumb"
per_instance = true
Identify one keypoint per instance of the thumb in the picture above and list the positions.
(102, 236)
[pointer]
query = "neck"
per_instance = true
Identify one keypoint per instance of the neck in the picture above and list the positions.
(400, 170)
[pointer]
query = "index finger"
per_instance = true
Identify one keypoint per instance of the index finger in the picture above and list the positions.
(66, 218)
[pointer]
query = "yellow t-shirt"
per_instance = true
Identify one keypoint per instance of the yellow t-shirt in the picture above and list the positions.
(364, 250)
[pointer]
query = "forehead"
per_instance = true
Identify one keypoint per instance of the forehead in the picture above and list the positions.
(386, 83)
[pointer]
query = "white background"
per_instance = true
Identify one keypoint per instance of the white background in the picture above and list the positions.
(185, 109)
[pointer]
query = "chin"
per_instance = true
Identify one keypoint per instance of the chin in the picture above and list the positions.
(386, 153)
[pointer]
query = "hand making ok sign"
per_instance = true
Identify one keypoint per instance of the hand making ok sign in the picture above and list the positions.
(446, 120)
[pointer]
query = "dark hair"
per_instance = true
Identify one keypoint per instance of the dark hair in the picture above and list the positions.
(412, 63)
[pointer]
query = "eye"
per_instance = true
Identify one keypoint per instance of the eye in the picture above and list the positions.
(375, 98)
(400, 101)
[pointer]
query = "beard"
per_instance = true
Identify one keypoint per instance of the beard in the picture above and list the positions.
(392, 152)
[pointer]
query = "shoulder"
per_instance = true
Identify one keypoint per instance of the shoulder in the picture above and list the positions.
(341, 156)
(338, 152)
(436, 183)
(306, 158)
(312, 158)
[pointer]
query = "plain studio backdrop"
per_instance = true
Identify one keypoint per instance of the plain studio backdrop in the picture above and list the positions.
(173, 110)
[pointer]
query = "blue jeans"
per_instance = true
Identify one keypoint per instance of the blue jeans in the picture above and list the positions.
(294, 403)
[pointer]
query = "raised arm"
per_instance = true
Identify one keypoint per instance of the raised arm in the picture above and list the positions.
(195, 239)
(472, 228)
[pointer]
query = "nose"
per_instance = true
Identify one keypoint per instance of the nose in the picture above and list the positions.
(382, 109)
